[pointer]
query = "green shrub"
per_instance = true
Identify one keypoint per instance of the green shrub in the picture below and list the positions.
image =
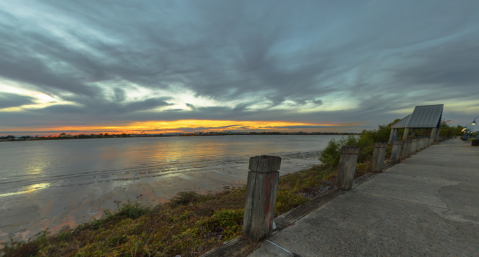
(330, 154)
(184, 198)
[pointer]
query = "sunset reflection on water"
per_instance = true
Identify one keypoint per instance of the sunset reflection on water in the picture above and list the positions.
(30, 189)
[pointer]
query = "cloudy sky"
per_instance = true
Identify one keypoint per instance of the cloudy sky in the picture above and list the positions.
(126, 66)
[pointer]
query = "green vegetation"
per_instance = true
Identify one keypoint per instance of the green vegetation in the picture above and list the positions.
(366, 140)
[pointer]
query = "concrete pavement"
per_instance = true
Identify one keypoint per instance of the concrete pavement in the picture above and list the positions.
(427, 205)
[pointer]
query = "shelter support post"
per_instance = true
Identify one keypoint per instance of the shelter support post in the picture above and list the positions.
(437, 134)
(347, 167)
(432, 137)
(260, 197)
(378, 157)
(391, 135)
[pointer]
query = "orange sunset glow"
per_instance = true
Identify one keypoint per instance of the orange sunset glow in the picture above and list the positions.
(178, 126)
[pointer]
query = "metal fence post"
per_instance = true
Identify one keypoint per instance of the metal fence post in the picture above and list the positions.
(261, 196)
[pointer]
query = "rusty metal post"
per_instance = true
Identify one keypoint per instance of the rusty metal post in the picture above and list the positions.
(261, 196)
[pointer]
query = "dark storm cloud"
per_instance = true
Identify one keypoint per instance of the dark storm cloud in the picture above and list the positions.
(98, 107)
(378, 55)
(14, 100)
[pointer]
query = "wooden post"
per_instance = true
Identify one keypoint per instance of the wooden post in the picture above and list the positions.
(413, 148)
(406, 132)
(396, 152)
(260, 196)
(418, 145)
(347, 167)
(405, 148)
(378, 157)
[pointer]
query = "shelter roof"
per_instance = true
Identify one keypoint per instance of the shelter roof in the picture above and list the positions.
(426, 116)
(402, 123)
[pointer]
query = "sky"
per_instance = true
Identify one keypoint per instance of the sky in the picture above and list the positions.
(172, 66)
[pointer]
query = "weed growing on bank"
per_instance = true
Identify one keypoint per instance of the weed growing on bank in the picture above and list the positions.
(189, 225)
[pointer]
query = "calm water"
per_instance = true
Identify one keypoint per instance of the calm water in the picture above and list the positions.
(50, 184)
(38, 162)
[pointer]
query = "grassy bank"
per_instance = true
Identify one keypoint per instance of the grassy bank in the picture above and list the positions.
(189, 225)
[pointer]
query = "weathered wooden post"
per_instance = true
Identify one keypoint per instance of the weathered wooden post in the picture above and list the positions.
(378, 157)
(260, 196)
(413, 148)
(405, 149)
(396, 152)
(406, 132)
(347, 167)
(418, 146)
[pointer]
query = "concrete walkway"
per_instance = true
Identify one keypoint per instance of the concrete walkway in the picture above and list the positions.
(428, 205)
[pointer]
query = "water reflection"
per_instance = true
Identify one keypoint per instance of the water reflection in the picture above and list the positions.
(30, 189)
(76, 162)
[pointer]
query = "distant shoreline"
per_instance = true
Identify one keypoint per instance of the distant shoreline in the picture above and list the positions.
(23, 139)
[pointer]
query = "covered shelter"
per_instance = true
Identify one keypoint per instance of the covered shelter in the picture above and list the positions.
(423, 117)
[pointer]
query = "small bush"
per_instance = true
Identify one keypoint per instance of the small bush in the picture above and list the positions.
(184, 198)
(330, 154)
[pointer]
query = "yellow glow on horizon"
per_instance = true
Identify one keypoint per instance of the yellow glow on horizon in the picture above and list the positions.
(189, 125)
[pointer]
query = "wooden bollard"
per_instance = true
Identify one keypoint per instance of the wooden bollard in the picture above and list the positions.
(405, 148)
(413, 148)
(378, 157)
(260, 196)
(347, 167)
(396, 152)
(418, 145)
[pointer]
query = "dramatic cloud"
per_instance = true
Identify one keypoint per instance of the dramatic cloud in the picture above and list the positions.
(112, 63)
(13, 100)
